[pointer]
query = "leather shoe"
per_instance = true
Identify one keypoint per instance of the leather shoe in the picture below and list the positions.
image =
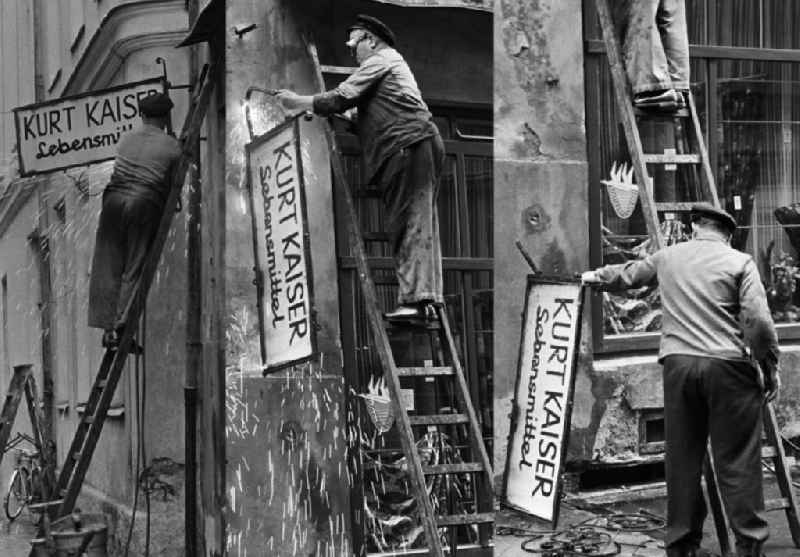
(404, 312)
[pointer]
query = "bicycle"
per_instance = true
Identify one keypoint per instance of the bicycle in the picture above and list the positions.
(25, 479)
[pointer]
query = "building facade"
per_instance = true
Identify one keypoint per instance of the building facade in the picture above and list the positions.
(559, 135)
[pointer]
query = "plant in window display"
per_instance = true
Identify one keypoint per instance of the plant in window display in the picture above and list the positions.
(780, 276)
(636, 311)
(392, 517)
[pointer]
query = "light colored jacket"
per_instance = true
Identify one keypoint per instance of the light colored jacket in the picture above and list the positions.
(712, 297)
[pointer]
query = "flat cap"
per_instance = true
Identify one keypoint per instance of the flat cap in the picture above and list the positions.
(155, 104)
(707, 210)
(374, 26)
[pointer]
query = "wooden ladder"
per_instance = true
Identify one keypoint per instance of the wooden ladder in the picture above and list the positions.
(480, 465)
(81, 451)
(23, 382)
(623, 95)
(706, 191)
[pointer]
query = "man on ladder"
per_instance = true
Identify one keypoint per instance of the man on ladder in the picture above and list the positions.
(403, 154)
(715, 309)
(133, 203)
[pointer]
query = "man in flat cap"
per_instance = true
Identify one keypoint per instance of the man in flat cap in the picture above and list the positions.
(133, 202)
(402, 154)
(716, 326)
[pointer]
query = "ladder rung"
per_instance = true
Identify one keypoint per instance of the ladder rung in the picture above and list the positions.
(456, 468)
(675, 207)
(101, 384)
(424, 371)
(768, 451)
(686, 158)
(438, 419)
(337, 70)
(776, 504)
(458, 519)
(656, 115)
(43, 506)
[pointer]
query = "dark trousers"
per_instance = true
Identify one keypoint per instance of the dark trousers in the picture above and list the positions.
(126, 229)
(410, 184)
(718, 398)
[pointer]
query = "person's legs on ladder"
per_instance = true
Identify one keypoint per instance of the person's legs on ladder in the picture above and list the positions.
(108, 263)
(414, 226)
(141, 220)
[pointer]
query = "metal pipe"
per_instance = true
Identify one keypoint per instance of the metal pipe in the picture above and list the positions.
(194, 340)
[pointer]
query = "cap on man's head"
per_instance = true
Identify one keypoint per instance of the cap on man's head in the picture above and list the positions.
(714, 213)
(374, 26)
(155, 104)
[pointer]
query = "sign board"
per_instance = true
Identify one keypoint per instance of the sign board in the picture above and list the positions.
(543, 396)
(78, 130)
(281, 243)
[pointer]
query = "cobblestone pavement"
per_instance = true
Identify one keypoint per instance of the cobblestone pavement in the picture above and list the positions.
(779, 544)
(15, 537)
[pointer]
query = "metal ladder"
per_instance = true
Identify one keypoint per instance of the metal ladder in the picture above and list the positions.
(80, 453)
(466, 416)
(773, 448)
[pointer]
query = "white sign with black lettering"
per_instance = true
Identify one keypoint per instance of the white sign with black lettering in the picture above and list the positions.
(78, 130)
(281, 244)
(543, 396)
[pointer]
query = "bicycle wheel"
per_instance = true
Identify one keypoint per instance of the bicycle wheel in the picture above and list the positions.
(17, 495)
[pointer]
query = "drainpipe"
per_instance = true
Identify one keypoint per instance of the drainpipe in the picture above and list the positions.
(194, 331)
(42, 246)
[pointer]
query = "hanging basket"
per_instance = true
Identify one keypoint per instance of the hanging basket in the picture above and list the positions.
(380, 411)
(622, 192)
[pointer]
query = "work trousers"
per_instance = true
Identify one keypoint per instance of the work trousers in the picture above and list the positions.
(722, 399)
(655, 43)
(410, 184)
(128, 224)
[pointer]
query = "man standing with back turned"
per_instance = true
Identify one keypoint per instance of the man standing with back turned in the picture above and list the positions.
(715, 309)
(402, 153)
(133, 203)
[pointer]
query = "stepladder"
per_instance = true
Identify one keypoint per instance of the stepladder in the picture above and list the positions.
(669, 194)
(422, 435)
(23, 384)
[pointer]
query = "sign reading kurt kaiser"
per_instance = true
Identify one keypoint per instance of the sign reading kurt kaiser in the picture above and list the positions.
(281, 246)
(80, 129)
(543, 396)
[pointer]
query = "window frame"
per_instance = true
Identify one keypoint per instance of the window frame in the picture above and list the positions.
(709, 55)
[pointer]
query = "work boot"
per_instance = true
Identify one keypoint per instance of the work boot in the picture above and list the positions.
(688, 551)
(668, 100)
(415, 310)
(110, 341)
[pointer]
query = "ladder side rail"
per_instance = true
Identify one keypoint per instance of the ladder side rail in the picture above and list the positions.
(782, 472)
(11, 404)
(463, 393)
(190, 132)
(383, 347)
(42, 437)
(715, 506)
(628, 119)
(83, 424)
(710, 184)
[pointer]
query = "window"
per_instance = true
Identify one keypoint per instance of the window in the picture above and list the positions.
(749, 105)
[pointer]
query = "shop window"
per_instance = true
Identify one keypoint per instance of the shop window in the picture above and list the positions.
(749, 107)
